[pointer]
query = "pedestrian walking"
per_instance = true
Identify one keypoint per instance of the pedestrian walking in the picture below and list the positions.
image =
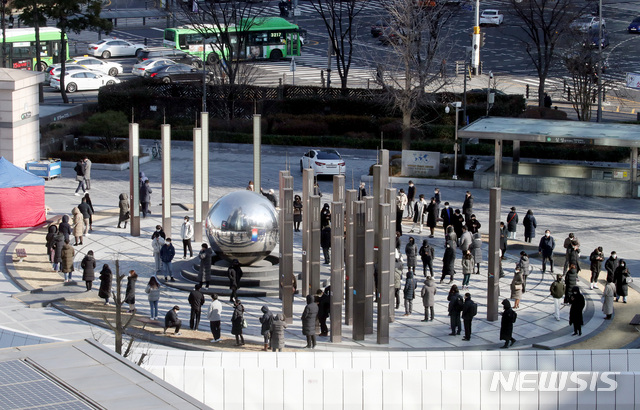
(530, 226)
(545, 248)
(607, 299)
(469, 310)
(409, 291)
(67, 260)
(104, 292)
(196, 301)
(214, 315)
(309, 315)
(401, 204)
(411, 250)
(456, 303)
(397, 278)
(153, 292)
(570, 280)
(467, 269)
(427, 254)
(325, 244)
(167, 252)
(516, 287)
(77, 225)
(88, 266)
(79, 169)
(234, 273)
(448, 263)
(205, 256)
(130, 293)
(145, 198)
(411, 199)
(428, 295)
(418, 213)
(171, 320)
(512, 223)
(87, 173)
(622, 278)
(557, 290)
(596, 258)
(266, 320)
(575, 313)
(142, 178)
(186, 233)
(467, 206)
(509, 317)
(85, 211)
(610, 265)
(238, 322)
(324, 310)
(278, 325)
(124, 214)
(297, 213)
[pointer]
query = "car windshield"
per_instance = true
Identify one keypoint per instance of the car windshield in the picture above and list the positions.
(636, 20)
(329, 154)
(584, 20)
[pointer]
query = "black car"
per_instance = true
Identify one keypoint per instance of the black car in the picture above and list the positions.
(178, 73)
(170, 54)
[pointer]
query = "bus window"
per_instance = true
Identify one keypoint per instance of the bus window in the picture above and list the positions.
(170, 35)
(183, 42)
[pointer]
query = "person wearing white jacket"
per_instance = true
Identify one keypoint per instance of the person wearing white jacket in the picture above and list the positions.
(186, 232)
(214, 314)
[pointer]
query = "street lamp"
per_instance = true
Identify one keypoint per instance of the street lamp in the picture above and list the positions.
(457, 106)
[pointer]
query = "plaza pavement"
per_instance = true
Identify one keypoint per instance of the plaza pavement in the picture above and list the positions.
(596, 221)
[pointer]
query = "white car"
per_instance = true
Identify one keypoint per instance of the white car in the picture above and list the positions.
(491, 17)
(83, 80)
(52, 71)
(140, 68)
(89, 63)
(586, 23)
(114, 47)
(323, 162)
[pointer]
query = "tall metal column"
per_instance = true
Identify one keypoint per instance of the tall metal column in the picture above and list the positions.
(197, 185)
(314, 244)
(633, 175)
(286, 247)
(134, 178)
(257, 146)
(338, 188)
(384, 172)
(307, 190)
(493, 282)
(282, 185)
(165, 133)
(349, 262)
(384, 271)
(204, 124)
(497, 163)
(359, 271)
(337, 272)
(369, 260)
(390, 248)
(515, 165)
(377, 177)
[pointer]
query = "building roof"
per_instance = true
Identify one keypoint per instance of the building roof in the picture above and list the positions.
(553, 131)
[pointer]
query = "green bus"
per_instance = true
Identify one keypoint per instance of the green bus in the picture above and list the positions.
(20, 48)
(264, 38)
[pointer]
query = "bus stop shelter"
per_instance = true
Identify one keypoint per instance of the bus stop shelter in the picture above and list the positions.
(501, 129)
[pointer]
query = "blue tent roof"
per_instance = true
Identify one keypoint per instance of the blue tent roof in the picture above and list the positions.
(12, 176)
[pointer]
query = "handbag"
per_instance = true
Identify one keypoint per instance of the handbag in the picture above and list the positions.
(244, 323)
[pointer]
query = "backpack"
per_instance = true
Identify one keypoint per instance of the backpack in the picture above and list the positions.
(474, 308)
(459, 303)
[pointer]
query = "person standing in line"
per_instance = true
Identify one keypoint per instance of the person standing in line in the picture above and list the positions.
(570, 280)
(401, 204)
(467, 206)
(124, 214)
(569, 245)
(438, 199)
(130, 294)
(418, 211)
(473, 225)
(234, 273)
(456, 303)
(397, 278)
(87, 173)
(573, 254)
(622, 278)
(325, 216)
(467, 269)
(104, 292)
(557, 290)
(65, 227)
(250, 186)
(362, 191)
(297, 213)
(153, 292)
(469, 310)
(88, 266)
(607, 299)
(516, 287)
(530, 226)
(596, 258)
(186, 233)
(196, 301)
(432, 217)
(157, 242)
(427, 254)
(411, 199)
(52, 230)
(265, 329)
(447, 217)
(428, 295)
(610, 265)
(214, 315)
(85, 211)
(509, 317)
(411, 250)
(58, 245)
(545, 248)
(79, 168)
(93, 211)
(504, 235)
(409, 293)
(78, 226)
(523, 263)
(205, 256)
(476, 250)
(142, 178)
(145, 198)
(324, 310)
(458, 223)
(67, 260)
(575, 313)
(309, 315)
(448, 263)
(466, 240)
(167, 252)
(325, 244)
(277, 332)
(171, 320)
(512, 223)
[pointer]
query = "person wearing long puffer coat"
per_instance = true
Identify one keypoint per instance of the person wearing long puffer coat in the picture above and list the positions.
(309, 316)
(506, 325)
(67, 260)
(575, 313)
(278, 325)
(88, 266)
(50, 243)
(64, 227)
(237, 319)
(411, 250)
(570, 280)
(428, 295)
(78, 225)
(105, 283)
(409, 293)
(448, 263)
(205, 256)
(265, 330)
(622, 277)
(124, 214)
(530, 226)
(58, 244)
(476, 250)
(608, 293)
(130, 294)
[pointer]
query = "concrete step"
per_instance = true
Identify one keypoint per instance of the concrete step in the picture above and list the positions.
(42, 297)
(224, 281)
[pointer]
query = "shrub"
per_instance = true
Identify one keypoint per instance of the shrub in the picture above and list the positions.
(108, 125)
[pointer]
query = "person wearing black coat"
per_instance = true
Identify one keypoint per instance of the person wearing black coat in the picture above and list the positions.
(570, 280)
(504, 235)
(325, 244)
(448, 262)
(473, 225)
(530, 226)
(196, 301)
(575, 313)
(469, 309)
(432, 216)
(64, 227)
(457, 222)
(205, 256)
(611, 265)
(171, 320)
(324, 309)
(105, 284)
(51, 234)
(234, 273)
(325, 216)
(456, 304)
(596, 259)
(509, 317)
(447, 216)
(467, 206)
(622, 278)
(58, 244)
(130, 294)
(427, 254)
(145, 198)
(411, 250)
(409, 293)
(309, 315)
(88, 266)
(545, 248)
(265, 329)
(297, 213)
(512, 223)
(237, 319)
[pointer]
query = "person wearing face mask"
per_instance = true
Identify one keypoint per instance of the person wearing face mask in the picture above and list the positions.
(545, 248)
(437, 198)
(611, 265)
(157, 241)
(411, 199)
(186, 232)
(622, 278)
(447, 216)
(418, 211)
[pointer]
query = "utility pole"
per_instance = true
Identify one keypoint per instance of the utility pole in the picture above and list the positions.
(475, 41)
(599, 112)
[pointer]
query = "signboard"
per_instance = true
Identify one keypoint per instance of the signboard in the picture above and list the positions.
(420, 163)
(570, 140)
(633, 80)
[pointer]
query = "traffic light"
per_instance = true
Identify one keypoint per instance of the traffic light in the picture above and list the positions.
(482, 38)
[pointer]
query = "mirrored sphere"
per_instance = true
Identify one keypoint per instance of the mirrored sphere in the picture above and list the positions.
(242, 225)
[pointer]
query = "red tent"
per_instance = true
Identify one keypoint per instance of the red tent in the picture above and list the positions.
(21, 197)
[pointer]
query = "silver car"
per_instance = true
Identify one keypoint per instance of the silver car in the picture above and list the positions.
(140, 68)
(114, 47)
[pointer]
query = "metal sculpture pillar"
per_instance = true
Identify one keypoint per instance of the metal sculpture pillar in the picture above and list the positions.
(257, 147)
(337, 272)
(359, 270)
(369, 266)
(204, 124)
(493, 282)
(307, 190)
(286, 245)
(134, 179)
(165, 133)
(384, 268)
(314, 244)
(390, 247)
(197, 185)
(349, 262)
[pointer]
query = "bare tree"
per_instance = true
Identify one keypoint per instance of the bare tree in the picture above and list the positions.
(582, 64)
(120, 325)
(417, 35)
(544, 23)
(338, 17)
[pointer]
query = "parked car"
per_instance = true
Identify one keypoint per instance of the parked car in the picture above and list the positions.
(177, 56)
(634, 26)
(92, 63)
(323, 162)
(82, 80)
(55, 71)
(586, 23)
(140, 68)
(379, 27)
(177, 73)
(484, 91)
(114, 47)
(491, 17)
